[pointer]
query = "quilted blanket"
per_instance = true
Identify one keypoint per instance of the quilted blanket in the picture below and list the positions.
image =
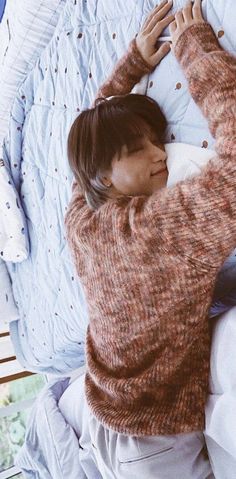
(51, 448)
(88, 40)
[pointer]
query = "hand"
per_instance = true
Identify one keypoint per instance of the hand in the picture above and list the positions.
(151, 30)
(189, 15)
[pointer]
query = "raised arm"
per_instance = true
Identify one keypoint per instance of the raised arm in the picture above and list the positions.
(142, 56)
(127, 72)
(197, 217)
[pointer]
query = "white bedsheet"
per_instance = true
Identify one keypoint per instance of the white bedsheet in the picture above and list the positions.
(221, 405)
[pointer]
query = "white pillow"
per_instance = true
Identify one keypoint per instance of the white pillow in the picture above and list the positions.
(27, 27)
(184, 160)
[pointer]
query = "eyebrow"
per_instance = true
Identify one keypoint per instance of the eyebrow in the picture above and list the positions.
(135, 142)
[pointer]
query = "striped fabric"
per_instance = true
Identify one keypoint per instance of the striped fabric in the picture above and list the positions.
(26, 28)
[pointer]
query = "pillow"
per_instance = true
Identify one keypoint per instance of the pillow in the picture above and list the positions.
(184, 160)
(26, 28)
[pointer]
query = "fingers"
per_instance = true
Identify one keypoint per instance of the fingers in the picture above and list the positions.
(159, 27)
(187, 12)
(179, 19)
(153, 12)
(173, 27)
(187, 16)
(156, 15)
(197, 10)
(162, 52)
(192, 11)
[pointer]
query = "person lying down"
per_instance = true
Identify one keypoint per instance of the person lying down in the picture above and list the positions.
(148, 255)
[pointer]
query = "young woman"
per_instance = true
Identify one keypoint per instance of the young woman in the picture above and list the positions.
(148, 256)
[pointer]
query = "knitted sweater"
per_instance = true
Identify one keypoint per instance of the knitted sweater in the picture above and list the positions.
(148, 265)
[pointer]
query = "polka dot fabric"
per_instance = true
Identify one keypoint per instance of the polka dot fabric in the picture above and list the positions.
(13, 237)
(25, 30)
(89, 39)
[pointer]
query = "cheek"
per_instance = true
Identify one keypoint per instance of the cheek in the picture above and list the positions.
(123, 177)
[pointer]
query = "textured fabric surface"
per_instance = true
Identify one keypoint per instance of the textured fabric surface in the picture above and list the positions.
(12, 219)
(51, 447)
(148, 341)
(90, 37)
(137, 68)
(223, 464)
(123, 457)
(26, 29)
(163, 457)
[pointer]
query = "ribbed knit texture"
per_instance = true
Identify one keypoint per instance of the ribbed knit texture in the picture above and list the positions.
(148, 266)
(133, 63)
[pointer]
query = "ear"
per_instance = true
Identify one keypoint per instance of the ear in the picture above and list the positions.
(106, 181)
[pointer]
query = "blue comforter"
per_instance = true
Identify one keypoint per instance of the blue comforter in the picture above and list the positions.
(51, 448)
(2, 8)
(90, 36)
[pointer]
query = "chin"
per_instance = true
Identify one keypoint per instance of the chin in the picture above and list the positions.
(159, 187)
(161, 182)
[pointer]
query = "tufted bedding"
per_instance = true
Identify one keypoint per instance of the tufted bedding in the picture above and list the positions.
(89, 38)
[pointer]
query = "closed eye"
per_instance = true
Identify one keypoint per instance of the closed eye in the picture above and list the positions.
(140, 147)
(136, 148)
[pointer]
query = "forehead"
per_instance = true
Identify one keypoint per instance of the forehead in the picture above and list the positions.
(138, 139)
(135, 138)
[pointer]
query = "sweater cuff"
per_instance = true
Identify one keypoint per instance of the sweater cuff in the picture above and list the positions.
(136, 59)
(194, 42)
(127, 72)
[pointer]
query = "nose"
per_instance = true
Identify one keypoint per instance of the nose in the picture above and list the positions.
(158, 155)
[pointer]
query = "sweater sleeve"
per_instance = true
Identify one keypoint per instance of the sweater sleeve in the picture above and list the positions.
(77, 202)
(127, 72)
(197, 217)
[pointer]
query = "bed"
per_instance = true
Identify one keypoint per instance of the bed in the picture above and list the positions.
(25, 30)
(49, 332)
(48, 319)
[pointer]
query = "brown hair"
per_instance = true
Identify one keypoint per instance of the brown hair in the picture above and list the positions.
(99, 133)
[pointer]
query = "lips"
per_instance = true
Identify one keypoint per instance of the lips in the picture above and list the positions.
(158, 172)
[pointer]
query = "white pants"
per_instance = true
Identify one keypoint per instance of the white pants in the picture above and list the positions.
(115, 456)
(180, 456)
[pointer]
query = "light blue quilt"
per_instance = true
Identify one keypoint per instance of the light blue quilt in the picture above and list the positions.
(51, 449)
(90, 37)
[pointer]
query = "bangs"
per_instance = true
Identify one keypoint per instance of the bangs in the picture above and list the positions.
(124, 129)
(122, 121)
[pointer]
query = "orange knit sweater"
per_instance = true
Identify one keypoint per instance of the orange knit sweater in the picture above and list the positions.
(148, 265)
